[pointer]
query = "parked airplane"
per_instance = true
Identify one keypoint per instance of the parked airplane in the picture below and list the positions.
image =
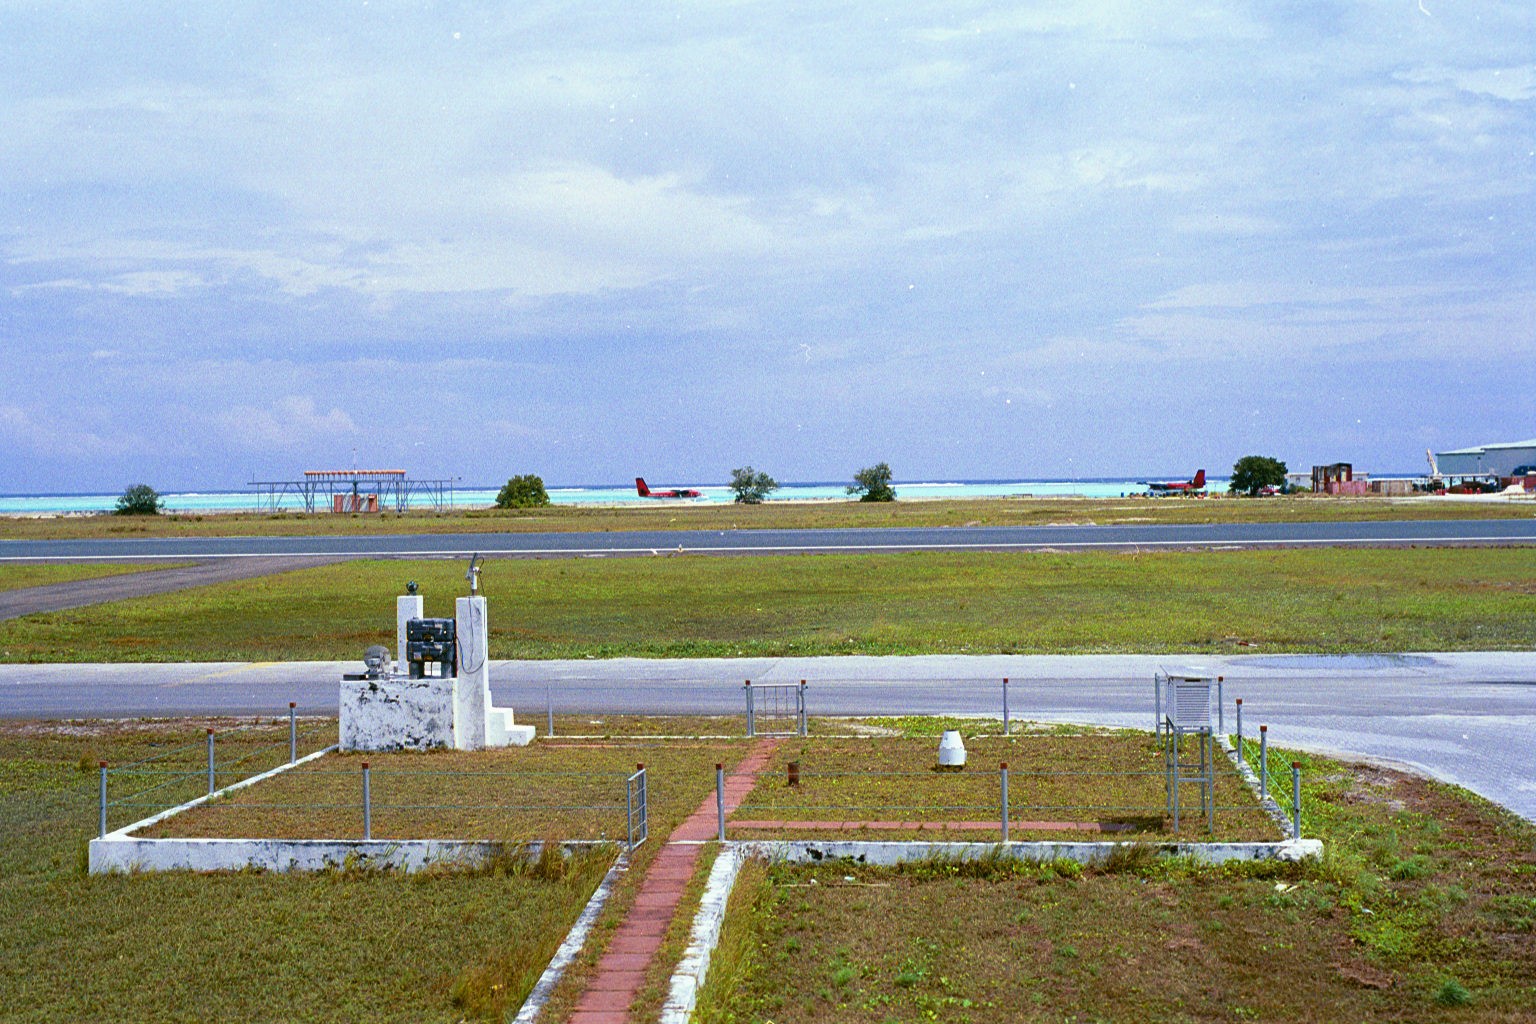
(676, 492)
(1178, 486)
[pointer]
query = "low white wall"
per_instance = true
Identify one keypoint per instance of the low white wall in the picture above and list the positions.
(119, 852)
(889, 853)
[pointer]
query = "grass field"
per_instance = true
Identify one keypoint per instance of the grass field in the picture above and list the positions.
(338, 946)
(774, 515)
(1112, 780)
(1329, 600)
(18, 575)
(1424, 909)
(561, 789)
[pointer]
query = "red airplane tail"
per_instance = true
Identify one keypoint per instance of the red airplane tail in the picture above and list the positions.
(640, 488)
(1199, 480)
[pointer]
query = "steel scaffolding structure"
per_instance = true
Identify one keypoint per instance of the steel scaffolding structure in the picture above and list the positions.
(353, 490)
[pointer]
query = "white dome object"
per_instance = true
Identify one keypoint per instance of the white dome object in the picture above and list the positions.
(951, 749)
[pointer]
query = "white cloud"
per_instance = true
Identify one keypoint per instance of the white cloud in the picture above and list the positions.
(288, 424)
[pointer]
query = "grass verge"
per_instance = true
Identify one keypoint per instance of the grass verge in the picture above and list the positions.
(20, 575)
(1424, 909)
(1331, 601)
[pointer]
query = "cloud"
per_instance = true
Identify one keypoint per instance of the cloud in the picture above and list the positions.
(289, 424)
(37, 434)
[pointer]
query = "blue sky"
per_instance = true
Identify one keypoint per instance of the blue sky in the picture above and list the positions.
(597, 240)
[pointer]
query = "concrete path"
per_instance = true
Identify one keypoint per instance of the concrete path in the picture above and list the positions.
(621, 970)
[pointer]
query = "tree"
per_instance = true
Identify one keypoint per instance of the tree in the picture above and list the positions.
(523, 492)
(873, 483)
(1253, 472)
(139, 500)
(751, 487)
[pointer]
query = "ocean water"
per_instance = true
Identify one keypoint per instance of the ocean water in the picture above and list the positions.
(483, 497)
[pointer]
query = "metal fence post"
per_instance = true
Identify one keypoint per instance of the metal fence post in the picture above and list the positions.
(1005, 705)
(751, 728)
(1295, 799)
(1221, 707)
(103, 765)
(1003, 779)
(1157, 703)
(549, 708)
(211, 785)
(1263, 761)
(720, 798)
(802, 709)
(367, 803)
(293, 733)
(1239, 725)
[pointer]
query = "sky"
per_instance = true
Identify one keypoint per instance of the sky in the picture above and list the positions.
(598, 240)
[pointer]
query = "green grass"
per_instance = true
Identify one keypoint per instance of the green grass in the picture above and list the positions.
(1115, 780)
(771, 515)
(1331, 600)
(247, 947)
(1350, 938)
(552, 789)
(19, 575)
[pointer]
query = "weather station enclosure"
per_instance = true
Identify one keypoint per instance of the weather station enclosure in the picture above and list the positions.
(443, 698)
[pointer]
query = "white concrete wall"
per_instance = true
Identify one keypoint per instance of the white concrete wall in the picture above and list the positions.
(397, 713)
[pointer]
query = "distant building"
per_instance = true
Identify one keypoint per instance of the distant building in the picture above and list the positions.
(1338, 478)
(1499, 460)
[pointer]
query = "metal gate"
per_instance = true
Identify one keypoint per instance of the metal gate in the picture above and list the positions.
(775, 709)
(636, 811)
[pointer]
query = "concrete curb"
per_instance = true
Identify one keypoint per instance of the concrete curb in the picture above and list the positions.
(1271, 807)
(691, 971)
(572, 946)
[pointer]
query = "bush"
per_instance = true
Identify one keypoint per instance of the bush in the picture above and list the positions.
(751, 487)
(873, 483)
(523, 492)
(139, 500)
(1251, 473)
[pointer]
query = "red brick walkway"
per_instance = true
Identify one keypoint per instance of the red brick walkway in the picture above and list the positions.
(621, 971)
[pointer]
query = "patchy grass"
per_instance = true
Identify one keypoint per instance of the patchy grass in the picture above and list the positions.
(1112, 780)
(1349, 938)
(774, 515)
(552, 789)
(247, 947)
(1330, 601)
(20, 575)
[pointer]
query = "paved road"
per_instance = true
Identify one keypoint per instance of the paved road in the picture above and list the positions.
(1464, 718)
(986, 538)
(79, 593)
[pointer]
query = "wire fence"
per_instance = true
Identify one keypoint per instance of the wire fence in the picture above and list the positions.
(1002, 801)
(380, 799)
(177, 775)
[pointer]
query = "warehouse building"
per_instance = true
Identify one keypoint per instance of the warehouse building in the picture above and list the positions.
(1500, 460)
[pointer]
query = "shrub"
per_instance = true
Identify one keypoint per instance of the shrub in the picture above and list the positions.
(751, 486)
(139, 500)
(523, 492)
(873, 483)
(1453, 993)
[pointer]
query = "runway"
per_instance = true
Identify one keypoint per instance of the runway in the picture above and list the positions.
(1465, 718)
(763, 542)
